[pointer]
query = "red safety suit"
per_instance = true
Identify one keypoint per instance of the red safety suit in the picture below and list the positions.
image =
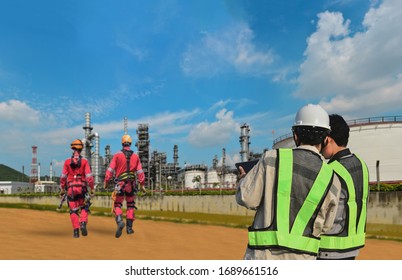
(118, 168)
(75, 178)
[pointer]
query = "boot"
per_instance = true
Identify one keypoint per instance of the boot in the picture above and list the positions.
(84, 230)
(129, 228)
(76, 233)
(120, 226)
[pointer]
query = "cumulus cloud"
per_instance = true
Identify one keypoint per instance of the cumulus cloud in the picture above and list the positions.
(207, 134)
(20, 124)
(227, 50)
(18, 112)
(355, 71)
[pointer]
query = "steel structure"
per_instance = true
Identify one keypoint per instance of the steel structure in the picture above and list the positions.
(34, 165)
(244, 142)
(159, 173)
(143, 150)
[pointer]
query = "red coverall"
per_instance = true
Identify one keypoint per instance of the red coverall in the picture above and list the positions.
(74, 179)
(117, 166)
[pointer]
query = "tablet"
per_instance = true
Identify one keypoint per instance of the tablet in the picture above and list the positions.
(247, 165)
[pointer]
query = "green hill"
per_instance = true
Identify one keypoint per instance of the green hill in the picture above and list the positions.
(9, 174)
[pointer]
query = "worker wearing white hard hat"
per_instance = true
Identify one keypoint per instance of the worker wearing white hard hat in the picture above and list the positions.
(294, 193)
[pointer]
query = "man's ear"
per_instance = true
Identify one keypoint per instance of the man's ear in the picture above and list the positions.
(330, 139)
(327, 141)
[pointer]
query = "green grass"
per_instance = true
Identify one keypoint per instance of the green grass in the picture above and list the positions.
(198, 218)
(378, 231)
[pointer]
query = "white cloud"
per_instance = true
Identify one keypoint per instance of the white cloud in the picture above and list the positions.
(220, 104)
(207, 134)
(228, 50)
(19, 113)
(355, 72)
(162, 125)
(169, 123)
(138, 53)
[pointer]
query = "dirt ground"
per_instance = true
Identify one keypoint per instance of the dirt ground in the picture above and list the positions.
(46, 235)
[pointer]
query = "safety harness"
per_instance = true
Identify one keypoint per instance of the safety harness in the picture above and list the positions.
(128, 177)
(78, 182)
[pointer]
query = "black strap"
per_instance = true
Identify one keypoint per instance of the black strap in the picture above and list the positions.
(127, 154)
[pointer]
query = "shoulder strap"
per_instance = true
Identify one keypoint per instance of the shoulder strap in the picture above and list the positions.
(128, 154)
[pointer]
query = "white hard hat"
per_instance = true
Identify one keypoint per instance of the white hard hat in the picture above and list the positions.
(312, 115)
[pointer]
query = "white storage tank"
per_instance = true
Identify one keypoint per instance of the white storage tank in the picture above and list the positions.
(193, 176)
(229, 180)
(213, 179)
(378, 139)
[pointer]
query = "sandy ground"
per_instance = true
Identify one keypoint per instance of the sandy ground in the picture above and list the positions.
(46, 235)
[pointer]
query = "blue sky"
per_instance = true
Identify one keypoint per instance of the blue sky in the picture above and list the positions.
(194, 71)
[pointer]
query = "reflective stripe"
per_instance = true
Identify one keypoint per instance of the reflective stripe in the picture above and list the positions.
(313, 198)
(356, 229)
(127, 175)
(265, 239)
(361, 226)
(283, 236)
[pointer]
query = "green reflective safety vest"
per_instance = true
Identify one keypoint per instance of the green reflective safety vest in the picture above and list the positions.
(283, 236)
(356, 229)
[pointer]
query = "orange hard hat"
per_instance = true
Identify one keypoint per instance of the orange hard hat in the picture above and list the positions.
(77, 144)
(126, 139)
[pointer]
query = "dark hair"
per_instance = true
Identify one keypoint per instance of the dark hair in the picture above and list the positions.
(310, 135)
(339, 130)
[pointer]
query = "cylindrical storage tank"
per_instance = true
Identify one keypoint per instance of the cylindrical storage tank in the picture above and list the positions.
(213, 179)
(284, 141)
(190, 179)
(229, 180)
(379, 142)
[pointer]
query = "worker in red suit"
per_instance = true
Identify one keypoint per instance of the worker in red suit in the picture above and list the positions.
(75, 179)
(126, 169)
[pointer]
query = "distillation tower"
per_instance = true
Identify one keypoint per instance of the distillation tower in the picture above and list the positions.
(244, 142)
(88, 140)
(143, 150)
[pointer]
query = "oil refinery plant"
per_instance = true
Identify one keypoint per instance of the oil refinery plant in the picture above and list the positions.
(373, 139)
(159, 173)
